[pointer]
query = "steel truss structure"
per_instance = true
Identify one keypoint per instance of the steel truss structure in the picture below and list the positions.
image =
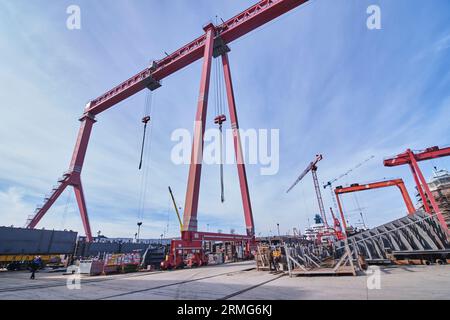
(415, 235)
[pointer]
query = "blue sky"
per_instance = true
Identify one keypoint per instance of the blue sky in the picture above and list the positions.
(318, 74)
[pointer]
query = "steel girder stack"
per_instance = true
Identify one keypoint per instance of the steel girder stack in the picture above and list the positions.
(416, 236)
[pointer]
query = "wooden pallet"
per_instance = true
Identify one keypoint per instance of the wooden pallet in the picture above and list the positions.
(342, 271)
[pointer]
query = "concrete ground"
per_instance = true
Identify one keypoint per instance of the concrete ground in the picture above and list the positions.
(234, 281)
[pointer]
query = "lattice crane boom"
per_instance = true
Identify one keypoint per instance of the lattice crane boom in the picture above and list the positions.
(330, 183)
(313, 168)
(310, 167)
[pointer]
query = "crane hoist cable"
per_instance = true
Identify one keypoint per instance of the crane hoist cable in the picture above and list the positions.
(331, 182)
(145, 120)
(145, 154)
(220, 119)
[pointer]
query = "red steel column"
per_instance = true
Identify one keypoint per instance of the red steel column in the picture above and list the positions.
(344, 223)
(79, 153)
(406, 198)
(428, 193)
(79, 195)
(195, 169)
(238, 148)
(76, 165)
(419, 187)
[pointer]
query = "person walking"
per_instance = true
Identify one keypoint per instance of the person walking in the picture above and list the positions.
(35, 264)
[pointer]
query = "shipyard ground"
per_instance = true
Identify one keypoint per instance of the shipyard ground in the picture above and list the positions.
(232, 281)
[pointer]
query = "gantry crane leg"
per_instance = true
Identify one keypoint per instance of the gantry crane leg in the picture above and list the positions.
(427, 190)
(195, 169)
(238, 148)
(193, 187)
(419, 188)
(72, 178)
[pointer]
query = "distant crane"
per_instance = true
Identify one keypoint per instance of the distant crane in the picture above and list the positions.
(337, 226)
(412, 158)
(330, 183)
(313, 168)
(356, 187)
(176, 208)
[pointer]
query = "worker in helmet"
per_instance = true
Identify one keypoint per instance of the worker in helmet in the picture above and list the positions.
(274, 260)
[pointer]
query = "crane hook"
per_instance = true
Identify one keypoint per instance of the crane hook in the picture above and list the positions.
(145, 120)
(219, 120)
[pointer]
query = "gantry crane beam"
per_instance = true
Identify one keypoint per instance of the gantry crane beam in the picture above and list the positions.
(410, 158)
(427, 154)
(252, 18)
(213, 43)
(375, 185)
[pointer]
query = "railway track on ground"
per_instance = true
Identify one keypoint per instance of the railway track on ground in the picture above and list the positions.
(239, 292)
(182, 282)
(62, 283)
(178, 283)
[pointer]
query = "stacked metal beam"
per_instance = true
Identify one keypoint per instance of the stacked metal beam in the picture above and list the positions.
(418, 235)
(20, 241)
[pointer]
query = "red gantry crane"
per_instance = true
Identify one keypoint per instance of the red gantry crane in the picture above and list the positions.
(375, 185)
(313, 168)
(410, 158)
(212, 44)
